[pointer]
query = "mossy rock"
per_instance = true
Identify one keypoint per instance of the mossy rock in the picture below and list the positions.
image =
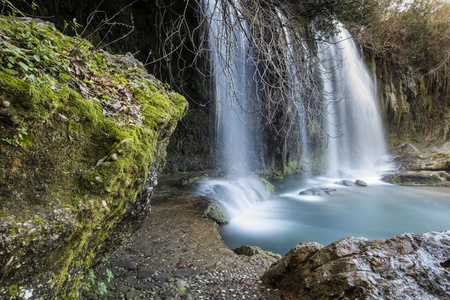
(214, 213)
(79, 180)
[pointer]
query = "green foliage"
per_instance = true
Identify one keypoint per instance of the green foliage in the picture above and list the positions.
(275, 175)
(30, 49)
(91, 284)
(18, 139)
(412, 33)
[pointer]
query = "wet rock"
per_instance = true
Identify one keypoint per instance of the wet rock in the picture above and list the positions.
(214, 213)
(191, 179)
(359, 182)
(346, 183)
(418, 178)
(318, 192)
(407, 266)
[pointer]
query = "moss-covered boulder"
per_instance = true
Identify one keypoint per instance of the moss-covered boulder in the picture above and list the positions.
(82, 136)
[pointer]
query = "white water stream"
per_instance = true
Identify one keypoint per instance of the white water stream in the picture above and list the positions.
(352, 120)
(233, 84)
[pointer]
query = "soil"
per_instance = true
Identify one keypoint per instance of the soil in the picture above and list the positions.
(178, 254)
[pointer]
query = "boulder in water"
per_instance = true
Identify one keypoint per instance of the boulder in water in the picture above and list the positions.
(360, 183)
(346, 183)
(318, 192)
(406, 266)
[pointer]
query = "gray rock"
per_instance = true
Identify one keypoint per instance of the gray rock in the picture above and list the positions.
(312, 192)
(191, 179)
(127, 264)
(319, 192)
(184, 273)
(346, 183)
(407, 266)
(360, 183)
(145, 273)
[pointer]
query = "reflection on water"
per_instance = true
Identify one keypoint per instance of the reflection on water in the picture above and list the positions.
(378, 211)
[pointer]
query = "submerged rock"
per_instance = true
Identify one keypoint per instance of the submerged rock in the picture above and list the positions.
(318, 192)
(346, 183)
(359, 182)
(407, 266)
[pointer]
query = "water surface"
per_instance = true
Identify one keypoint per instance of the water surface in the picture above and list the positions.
(378, 211)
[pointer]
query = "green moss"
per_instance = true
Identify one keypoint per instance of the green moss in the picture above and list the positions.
(79, 154)
(214, 213)
(406, 179)
(275, 175)
(270, 188)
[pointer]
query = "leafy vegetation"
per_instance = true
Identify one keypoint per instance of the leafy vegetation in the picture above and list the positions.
(92, 284)
(18, 139)
(411, 33)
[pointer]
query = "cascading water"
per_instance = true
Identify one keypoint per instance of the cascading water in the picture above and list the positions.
(356, 142)
(353, 124)
(232, 83)
(296, 94)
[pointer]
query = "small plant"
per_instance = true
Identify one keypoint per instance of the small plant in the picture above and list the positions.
(90, 282)
(18, 139)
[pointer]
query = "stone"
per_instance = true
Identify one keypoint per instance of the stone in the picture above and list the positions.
(318, 192)
(214, 213)
(191, 179)
(184, 273)
(145, 273)
(359, 182)
(48, 225)
(312, 192)
(406, 266)
(346, 183)
(127, 264)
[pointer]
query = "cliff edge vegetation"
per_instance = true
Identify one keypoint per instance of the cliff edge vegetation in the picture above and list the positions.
(82, 136)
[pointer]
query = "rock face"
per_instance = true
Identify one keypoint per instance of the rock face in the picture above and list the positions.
(420, 165)
(81, 141)
(407, 266)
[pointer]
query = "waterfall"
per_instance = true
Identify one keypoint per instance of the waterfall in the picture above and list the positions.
(352, 121)
(232, 84)
(234, 195)
(233, 88)
(296, 89)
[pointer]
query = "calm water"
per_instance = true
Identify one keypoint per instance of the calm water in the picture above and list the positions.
(378, 211)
